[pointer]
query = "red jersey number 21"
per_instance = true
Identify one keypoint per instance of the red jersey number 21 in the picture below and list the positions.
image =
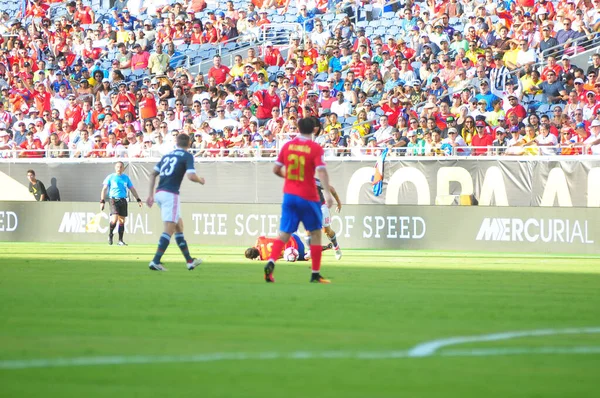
(295, 168)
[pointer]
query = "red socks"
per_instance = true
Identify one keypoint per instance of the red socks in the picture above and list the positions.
(315, 253)
(276, 250)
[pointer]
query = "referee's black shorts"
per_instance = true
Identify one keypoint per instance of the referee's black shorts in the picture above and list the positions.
(118, 206)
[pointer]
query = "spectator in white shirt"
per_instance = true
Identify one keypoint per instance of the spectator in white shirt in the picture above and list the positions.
(341, 107)
(546, 141)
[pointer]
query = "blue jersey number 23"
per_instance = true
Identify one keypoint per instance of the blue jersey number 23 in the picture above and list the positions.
(168, 166)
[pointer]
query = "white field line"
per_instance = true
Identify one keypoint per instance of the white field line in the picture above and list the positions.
(430, 347)
(427, 349)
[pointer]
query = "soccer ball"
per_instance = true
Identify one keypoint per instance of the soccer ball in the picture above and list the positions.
(290, 254)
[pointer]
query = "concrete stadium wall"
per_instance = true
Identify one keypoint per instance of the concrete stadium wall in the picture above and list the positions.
(468, 228)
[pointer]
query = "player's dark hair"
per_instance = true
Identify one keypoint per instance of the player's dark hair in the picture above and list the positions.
(251, 253)
(30, 171)
(306, 125)
(183, 141)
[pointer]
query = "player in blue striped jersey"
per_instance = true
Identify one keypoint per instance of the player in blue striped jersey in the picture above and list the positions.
(171, 169)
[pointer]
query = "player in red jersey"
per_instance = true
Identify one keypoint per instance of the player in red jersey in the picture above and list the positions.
(264, 246)
(297, 163)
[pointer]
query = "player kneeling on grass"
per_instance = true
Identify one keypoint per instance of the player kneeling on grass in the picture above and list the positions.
(297, 163)
(263, 246)
(171, 169)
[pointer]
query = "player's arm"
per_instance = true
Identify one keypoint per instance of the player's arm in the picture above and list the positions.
(194, 177)
(103, 196)
(191, 170)
(278, 170)
(335, 195)
(324, 177)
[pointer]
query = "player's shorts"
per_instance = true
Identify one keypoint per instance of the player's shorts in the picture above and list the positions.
(295, 210)
(326, 216)
(301, 247)
(170, 207)
(118, 206)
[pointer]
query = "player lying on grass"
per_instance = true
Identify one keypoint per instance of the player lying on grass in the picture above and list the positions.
(264, 245)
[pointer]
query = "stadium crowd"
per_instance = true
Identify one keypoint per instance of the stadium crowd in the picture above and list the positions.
(449, 77)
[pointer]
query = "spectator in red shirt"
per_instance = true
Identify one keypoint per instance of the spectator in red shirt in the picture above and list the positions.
(219, 72)
(32, 147)
(214, 147)
(139, 59)
(265, 101)
(73, 113)
(516, 108)
(481, 139)
(272, 56)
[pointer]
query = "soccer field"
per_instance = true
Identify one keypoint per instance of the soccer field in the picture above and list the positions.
(80, 320)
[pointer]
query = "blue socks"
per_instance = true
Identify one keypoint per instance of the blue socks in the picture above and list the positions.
(183, 246)
(163, 243)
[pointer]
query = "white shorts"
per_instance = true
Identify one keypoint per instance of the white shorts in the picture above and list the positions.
(169, 206)
(326, 216)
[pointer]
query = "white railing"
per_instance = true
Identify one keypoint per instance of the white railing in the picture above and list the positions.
(258, 152)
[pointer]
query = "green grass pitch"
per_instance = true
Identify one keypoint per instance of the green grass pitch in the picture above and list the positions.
(95, 302)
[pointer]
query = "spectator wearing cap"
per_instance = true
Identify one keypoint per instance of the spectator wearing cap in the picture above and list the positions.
(60, 81)
(272, 56)
(590, 106)
(438, 35)
(124, 101)
(147, 104)
(129, 21)
(454, 143)
(19, 133)
(486, 94)
(591, 145)
(231, 112)
(32, 147)
(7, 146)
(214, 146)
(499, 76)
(261, 83)
(140, 58)
(501, 142)
(73, 112)
(481, 140)
(415, 146)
